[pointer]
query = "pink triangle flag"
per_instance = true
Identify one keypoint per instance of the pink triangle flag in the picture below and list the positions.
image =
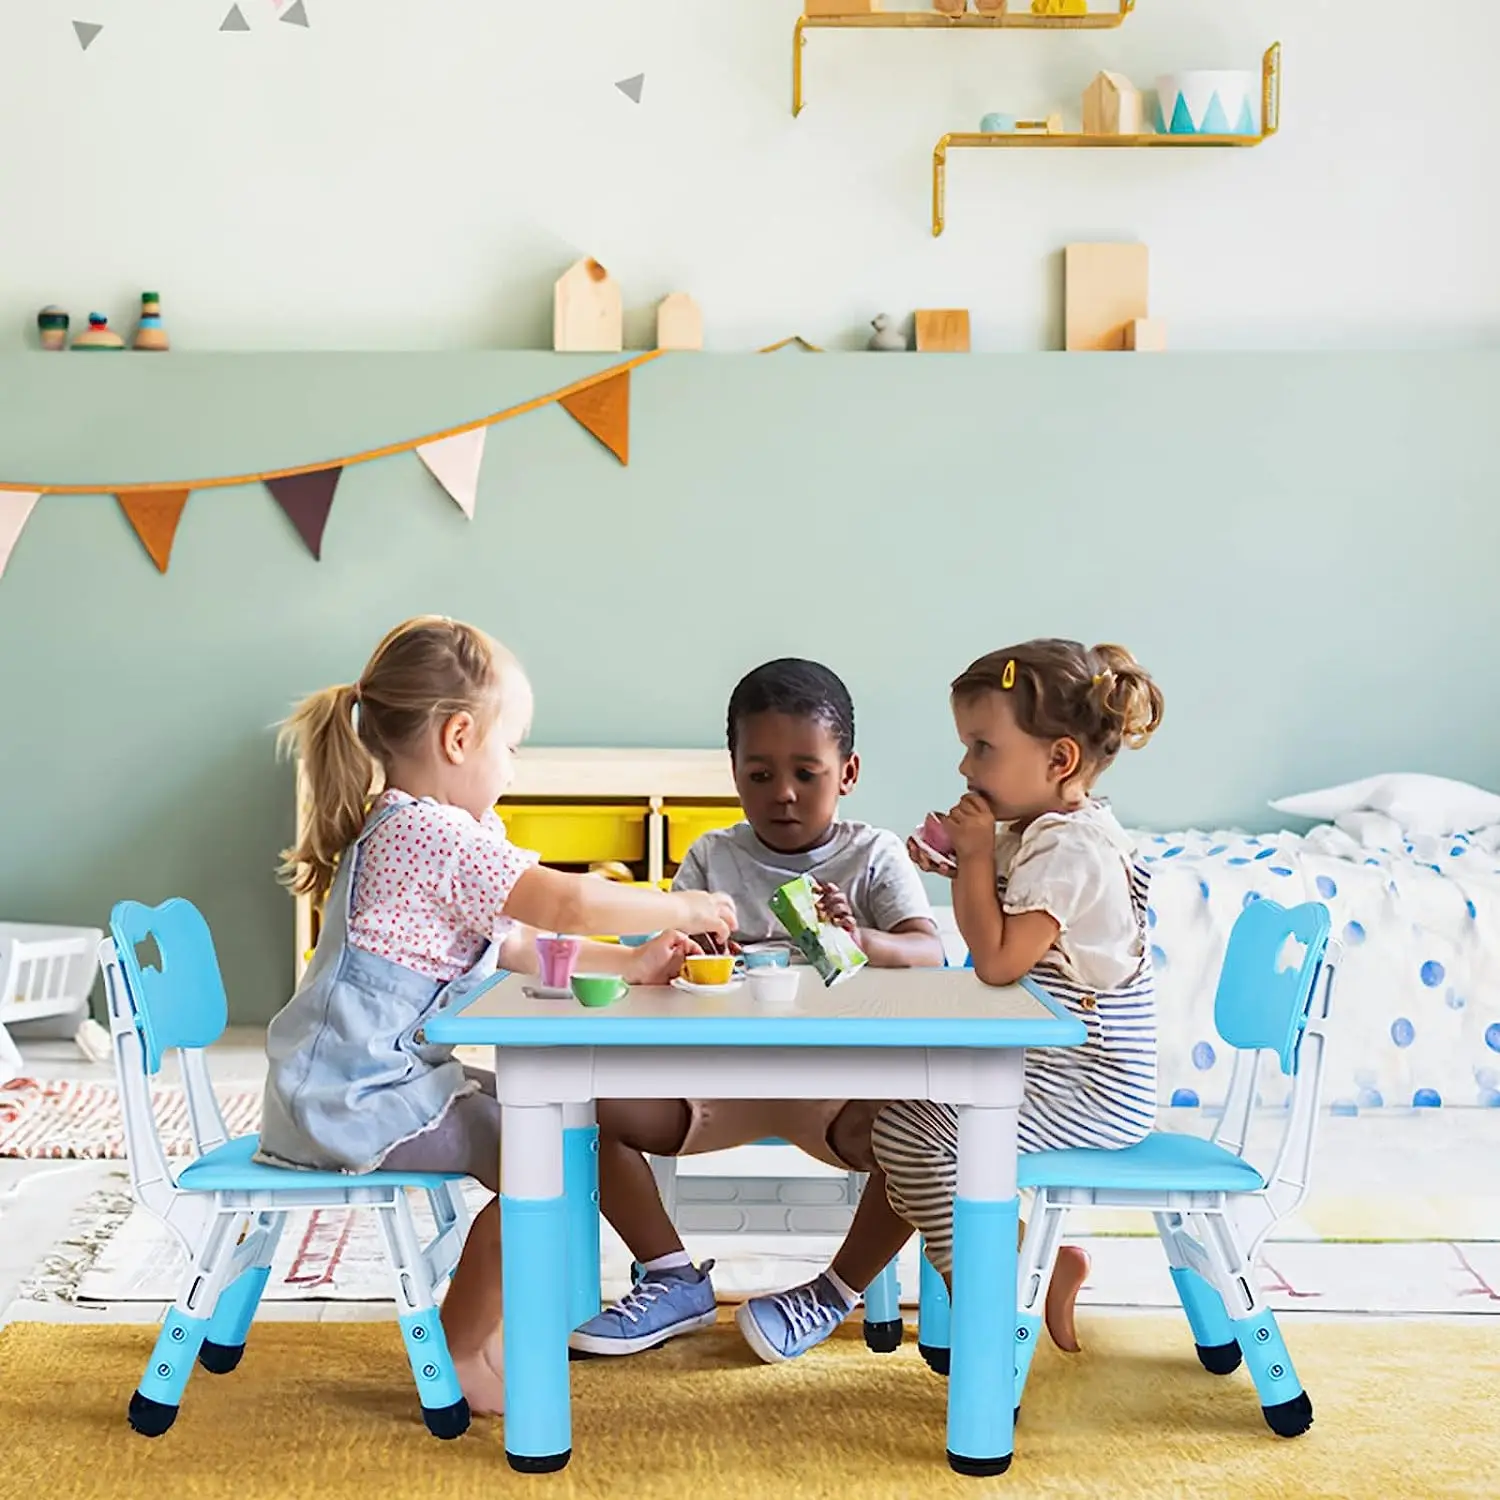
(15, 511)
(454, 462)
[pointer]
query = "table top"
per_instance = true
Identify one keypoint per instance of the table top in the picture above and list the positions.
(872, 1008)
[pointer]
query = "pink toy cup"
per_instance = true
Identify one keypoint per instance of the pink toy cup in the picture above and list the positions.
(556, 957)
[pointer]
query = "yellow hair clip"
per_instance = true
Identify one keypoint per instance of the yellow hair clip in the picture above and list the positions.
(1008, 676)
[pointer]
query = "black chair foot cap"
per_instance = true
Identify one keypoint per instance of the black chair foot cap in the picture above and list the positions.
(884, 1338)
(220, 1359)
(1292, 1418)
(447, 1421)
(549, 1463)
(1219, 1359)
(150, 1418)
(978, 1468)
(936, 1356)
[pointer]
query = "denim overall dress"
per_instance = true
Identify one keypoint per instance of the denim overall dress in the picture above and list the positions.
(350, 1075)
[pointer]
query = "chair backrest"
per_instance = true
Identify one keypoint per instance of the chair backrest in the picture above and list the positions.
(179, 1001)
(1266, 983)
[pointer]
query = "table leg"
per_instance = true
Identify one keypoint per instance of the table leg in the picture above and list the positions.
(534, 1241)
(981, 1390)
(581, 1189)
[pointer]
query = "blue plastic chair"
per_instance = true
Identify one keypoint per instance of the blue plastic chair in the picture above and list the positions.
(228, 1210)
(1213, 1208)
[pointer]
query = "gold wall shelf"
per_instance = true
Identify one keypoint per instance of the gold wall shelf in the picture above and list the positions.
(1270, 122)
(932, 20)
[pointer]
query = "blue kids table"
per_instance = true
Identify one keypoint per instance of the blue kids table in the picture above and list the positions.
(881, 1034)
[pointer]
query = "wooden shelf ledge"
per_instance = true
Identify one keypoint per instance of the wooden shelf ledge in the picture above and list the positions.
(1270, 122)
(933, 20)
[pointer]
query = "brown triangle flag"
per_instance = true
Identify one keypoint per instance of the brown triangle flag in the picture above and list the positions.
(307, 499)
(604, 410)
(155, 514)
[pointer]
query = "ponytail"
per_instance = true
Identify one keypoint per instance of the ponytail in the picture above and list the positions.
(1125, 696)
(323, 734)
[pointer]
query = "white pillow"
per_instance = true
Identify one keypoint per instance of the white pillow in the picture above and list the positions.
(1419, 804)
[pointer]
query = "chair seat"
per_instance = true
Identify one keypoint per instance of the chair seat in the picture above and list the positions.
(229, 1168)
(1161, 1163)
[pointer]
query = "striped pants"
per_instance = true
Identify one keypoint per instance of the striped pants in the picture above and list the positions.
(916, 1144)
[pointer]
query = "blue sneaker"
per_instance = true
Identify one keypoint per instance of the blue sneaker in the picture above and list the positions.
(660, 1306)
(786, 1324)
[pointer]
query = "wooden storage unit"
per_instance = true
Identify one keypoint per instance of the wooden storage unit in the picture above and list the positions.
(577, 808)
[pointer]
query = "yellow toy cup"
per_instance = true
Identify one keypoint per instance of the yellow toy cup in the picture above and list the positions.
(709, 968)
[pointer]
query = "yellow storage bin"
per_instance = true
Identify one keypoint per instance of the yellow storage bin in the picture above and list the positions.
(574, 834)
(687, 822)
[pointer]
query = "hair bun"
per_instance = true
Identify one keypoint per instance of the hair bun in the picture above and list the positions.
(1125, 695)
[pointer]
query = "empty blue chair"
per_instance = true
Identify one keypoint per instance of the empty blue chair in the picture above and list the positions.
(1213, 1208)
(229, 1210)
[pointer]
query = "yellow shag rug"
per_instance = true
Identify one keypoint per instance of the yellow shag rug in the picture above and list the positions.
(327, 1412)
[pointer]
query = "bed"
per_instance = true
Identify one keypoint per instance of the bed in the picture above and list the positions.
(1417, 1019)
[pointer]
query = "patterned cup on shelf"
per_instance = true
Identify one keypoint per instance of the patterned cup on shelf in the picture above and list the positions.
(556, 957)
(1217, 102)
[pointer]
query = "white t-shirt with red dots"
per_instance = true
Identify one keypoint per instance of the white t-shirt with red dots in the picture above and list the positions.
(432, 884)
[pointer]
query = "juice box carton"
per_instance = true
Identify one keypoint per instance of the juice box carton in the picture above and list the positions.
(829, 949)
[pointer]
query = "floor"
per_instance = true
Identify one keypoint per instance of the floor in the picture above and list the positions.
(1433, 1168)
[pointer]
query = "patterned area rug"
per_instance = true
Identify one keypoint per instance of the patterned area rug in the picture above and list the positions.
(66, 1119)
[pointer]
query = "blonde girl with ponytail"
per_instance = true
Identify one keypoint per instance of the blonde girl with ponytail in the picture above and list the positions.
(423, 899)
(1046, 885)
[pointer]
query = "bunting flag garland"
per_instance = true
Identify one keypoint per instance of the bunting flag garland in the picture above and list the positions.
(307, 499)
(599, 403)
(15, 511)
(454, 462)
(603, 409)
(155, 516)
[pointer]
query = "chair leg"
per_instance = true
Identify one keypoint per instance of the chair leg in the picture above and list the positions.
(444, 1408)
(1286, 1406)
(581, 1189)
(229, 1326)
(1213, 1333)
(154, 1406)
(450, 1215)
(883, 1326)
(1034, 1274)
(934, 1336)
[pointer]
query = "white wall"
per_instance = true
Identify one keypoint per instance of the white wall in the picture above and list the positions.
(414, 173)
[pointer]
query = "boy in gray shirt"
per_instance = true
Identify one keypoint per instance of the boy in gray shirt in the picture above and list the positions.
(791, 742)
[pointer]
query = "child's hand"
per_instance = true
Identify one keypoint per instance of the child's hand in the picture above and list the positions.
(833, 906)
(926, 863)
(709, 912)
(659, 960)
(971, 825)
(708, 943)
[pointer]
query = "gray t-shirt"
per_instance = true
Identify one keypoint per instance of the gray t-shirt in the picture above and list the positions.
(869, 865)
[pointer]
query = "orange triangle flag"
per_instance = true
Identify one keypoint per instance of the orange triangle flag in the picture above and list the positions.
(603, 409)
(155, 514)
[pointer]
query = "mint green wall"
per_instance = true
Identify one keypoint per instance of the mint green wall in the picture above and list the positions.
(1303, 548)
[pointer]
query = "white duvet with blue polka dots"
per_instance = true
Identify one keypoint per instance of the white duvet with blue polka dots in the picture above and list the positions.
(1417, 1009)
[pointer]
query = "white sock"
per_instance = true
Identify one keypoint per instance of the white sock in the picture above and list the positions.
(847, 1292)
(676, 1261)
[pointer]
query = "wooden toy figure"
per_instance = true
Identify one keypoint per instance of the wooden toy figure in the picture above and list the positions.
(99, 336)
(52, 323)
(149, 334)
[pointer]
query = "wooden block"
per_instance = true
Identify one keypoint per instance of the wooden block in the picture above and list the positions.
(1146, 335)
(679, 322)
(1112, 106)
(840, 7)
(1104, 288)
(943, 331)
(588, 315)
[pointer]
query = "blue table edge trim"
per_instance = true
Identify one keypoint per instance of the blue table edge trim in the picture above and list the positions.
(451, 1027)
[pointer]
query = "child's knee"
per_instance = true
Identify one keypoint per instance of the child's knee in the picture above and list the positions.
(656, 1126)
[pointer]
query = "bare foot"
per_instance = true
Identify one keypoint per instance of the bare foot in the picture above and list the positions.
(480, 1378)
(1068, 1275)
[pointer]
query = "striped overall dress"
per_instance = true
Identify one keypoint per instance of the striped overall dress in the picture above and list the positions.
(1101, 1094)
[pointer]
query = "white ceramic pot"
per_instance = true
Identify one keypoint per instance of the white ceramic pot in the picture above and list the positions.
(1219, 102)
